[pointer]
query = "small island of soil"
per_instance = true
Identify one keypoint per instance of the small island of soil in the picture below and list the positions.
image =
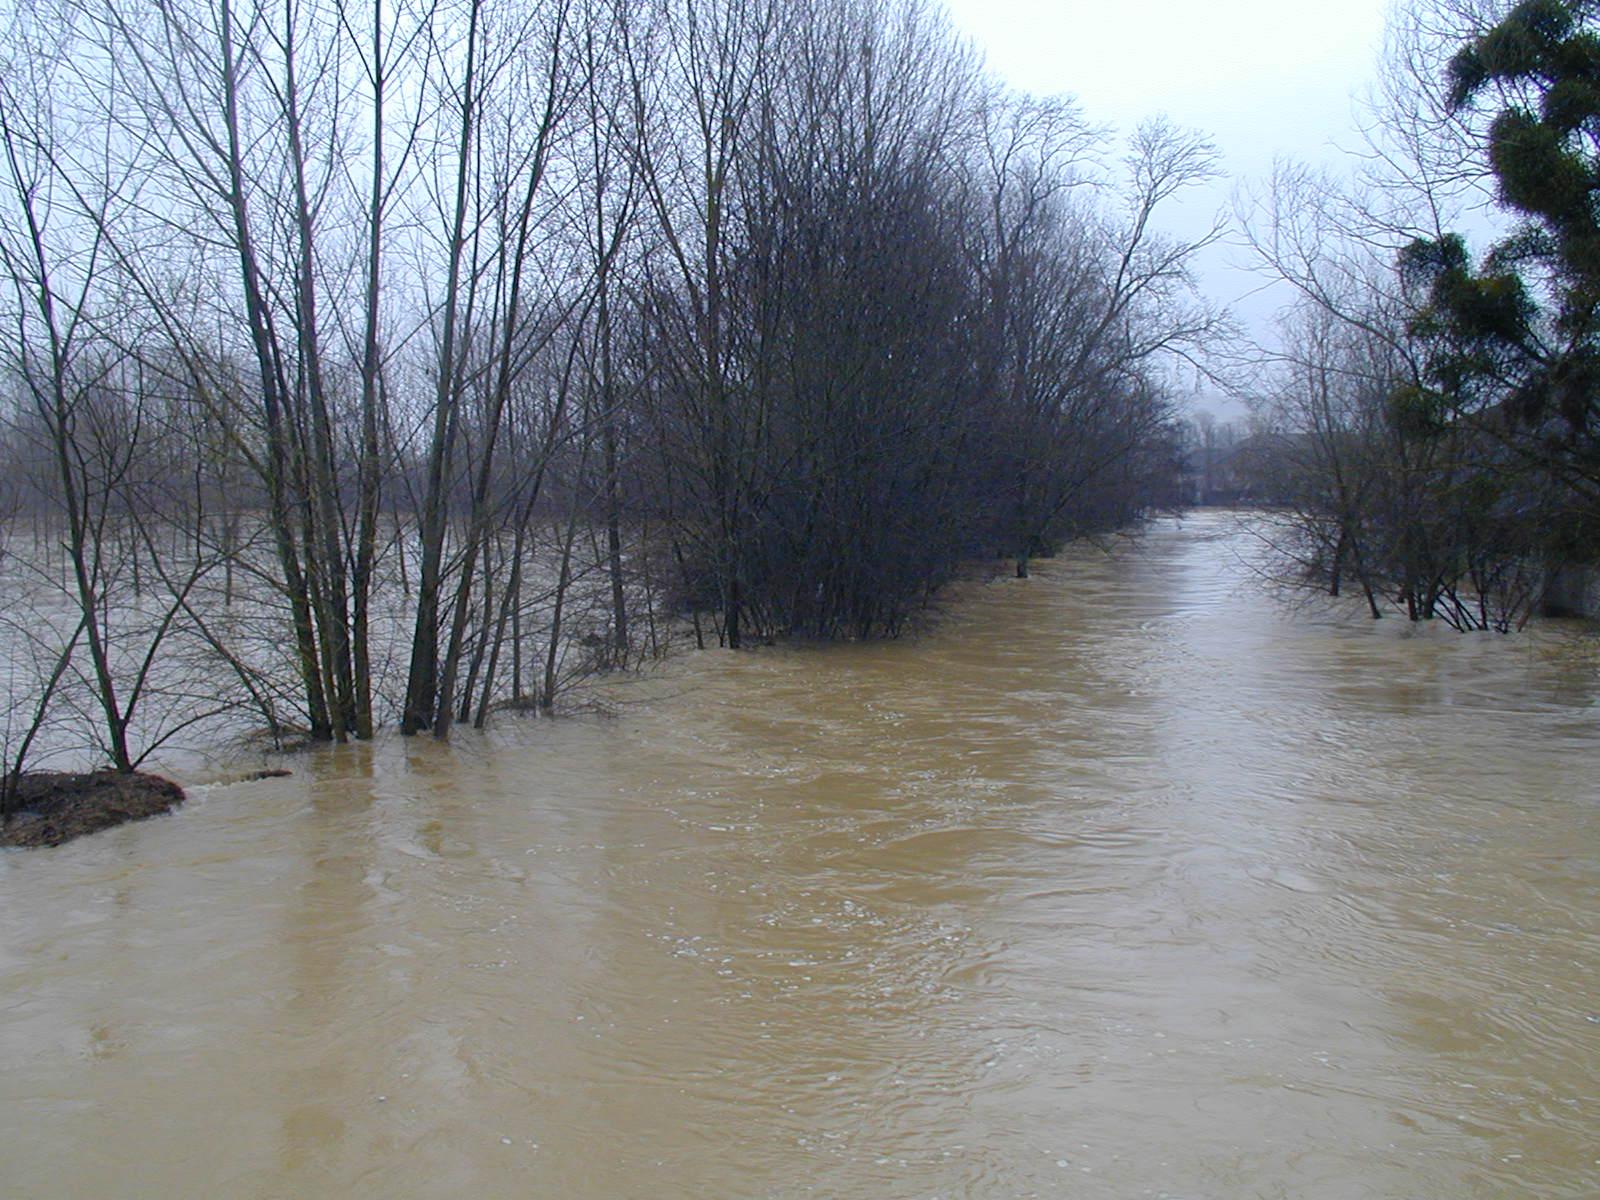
(52, 807)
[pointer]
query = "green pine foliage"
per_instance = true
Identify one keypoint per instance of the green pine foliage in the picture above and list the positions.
(1492, 342)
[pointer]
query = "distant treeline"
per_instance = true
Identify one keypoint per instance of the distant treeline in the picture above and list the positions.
(791, 301)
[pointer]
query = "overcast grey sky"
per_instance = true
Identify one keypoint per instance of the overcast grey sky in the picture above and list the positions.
(1263, 78)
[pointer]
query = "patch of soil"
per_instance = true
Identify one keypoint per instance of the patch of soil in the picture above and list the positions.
(56, 806)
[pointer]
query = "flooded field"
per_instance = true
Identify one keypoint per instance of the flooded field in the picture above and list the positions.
(1124, 881)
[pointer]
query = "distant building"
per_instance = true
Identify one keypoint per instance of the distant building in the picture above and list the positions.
(1222, 466)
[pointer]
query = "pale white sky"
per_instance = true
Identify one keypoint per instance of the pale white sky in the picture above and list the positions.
(1263, 78)
(1261, 75)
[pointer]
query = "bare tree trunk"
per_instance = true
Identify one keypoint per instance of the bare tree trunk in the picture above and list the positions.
(323, 537)
(547, 696)
(369, 485)
(56, 408)
(272, 392)
(510, 600)
(608, 436)
(481, 641)
(422, 683)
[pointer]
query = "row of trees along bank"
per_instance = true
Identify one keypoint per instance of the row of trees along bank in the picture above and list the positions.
(1432, 420)
(398, 358)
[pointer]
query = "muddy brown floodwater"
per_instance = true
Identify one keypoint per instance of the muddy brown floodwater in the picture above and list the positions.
(1124, 882)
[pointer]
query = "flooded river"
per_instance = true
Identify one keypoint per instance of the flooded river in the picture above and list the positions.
(1125, 881)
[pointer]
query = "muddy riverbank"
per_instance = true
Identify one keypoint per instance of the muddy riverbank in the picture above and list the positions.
(53, 807)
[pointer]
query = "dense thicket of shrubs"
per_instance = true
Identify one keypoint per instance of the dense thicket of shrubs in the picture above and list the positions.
(779, 309)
